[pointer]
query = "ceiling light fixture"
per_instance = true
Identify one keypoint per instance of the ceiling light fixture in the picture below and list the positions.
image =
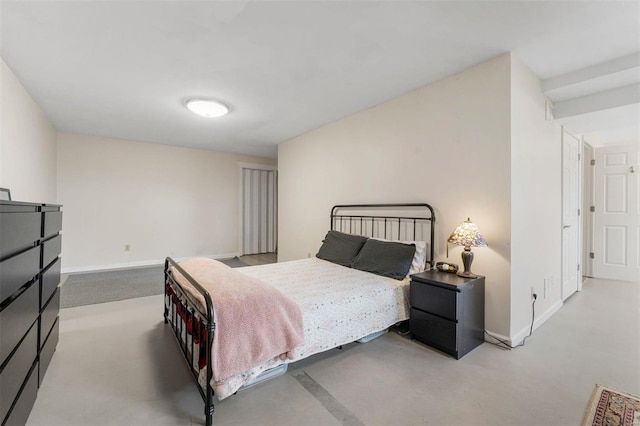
(207, 107)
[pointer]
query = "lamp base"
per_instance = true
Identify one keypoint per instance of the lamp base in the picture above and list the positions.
(467, 259)
(466, 275)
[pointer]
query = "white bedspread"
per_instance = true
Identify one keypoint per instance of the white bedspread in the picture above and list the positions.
(339, 305)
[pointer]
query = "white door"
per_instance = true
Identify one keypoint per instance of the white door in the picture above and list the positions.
(571, 275)
(616, 242)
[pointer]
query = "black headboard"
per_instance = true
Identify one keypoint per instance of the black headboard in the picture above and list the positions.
(409, 221)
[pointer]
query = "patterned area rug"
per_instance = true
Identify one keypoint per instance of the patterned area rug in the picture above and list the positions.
(609, 407)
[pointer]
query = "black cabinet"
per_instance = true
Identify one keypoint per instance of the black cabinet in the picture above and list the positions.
(447, 311)
(30, 246)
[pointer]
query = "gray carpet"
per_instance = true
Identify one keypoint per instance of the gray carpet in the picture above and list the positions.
(234, 262)
(109, 286)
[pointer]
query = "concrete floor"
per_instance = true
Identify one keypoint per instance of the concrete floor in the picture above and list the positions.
(117, 363)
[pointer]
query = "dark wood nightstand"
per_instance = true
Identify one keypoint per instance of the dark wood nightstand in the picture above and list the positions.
(447, 311)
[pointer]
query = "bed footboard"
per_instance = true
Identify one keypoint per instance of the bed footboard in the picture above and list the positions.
(193, 329)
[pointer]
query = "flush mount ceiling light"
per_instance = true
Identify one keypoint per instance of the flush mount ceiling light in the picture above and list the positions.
(207, 107)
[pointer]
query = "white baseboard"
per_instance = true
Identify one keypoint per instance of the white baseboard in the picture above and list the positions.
(137, 264)
(497, 335)
(519, 337)
(541, 319)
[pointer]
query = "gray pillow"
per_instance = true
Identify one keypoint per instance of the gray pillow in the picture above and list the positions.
(386, 258)
(340, 248)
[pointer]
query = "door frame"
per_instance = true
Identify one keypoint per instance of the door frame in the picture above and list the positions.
(580, 215)
(241, 167)
(588, 200)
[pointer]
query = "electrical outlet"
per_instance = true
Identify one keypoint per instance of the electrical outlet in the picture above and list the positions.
(308, 255)
(127, 247)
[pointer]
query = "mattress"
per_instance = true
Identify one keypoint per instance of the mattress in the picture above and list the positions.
(339, 305)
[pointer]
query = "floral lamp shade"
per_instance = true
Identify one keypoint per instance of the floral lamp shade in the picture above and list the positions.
(467, 235)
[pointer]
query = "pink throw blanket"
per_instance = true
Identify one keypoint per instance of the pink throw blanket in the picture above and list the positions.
(255, 322)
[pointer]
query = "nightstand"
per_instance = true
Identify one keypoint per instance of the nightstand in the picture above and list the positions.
(447, 311)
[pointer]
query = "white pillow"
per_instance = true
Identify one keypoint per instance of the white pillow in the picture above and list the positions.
(417, 265)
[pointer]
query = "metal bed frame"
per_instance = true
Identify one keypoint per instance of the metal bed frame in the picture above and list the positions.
(370, 224)
(180, 311)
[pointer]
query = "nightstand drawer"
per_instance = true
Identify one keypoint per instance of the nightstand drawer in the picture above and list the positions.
(435, 300)
(435, 331)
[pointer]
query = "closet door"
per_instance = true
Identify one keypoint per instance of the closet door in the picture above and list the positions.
(259, 211)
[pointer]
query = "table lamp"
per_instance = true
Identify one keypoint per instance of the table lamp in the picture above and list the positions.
(467, 235)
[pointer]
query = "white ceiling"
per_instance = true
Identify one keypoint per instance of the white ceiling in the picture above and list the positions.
(123, 69)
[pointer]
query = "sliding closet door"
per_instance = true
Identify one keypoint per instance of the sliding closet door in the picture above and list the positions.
(259, 211)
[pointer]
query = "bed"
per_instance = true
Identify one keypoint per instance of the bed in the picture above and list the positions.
(317, 304)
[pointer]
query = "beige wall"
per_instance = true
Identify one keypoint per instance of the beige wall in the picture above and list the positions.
(474, 144)
(161, 200)
(535, 202)
(27, 143)
(447, 144)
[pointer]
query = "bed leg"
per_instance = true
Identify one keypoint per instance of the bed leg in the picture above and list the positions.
(166, 312)
(208, 414)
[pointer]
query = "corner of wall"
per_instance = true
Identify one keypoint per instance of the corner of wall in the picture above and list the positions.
(535, 204)
(27, 142)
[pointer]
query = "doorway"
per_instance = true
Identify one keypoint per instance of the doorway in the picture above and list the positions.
(259, 209)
